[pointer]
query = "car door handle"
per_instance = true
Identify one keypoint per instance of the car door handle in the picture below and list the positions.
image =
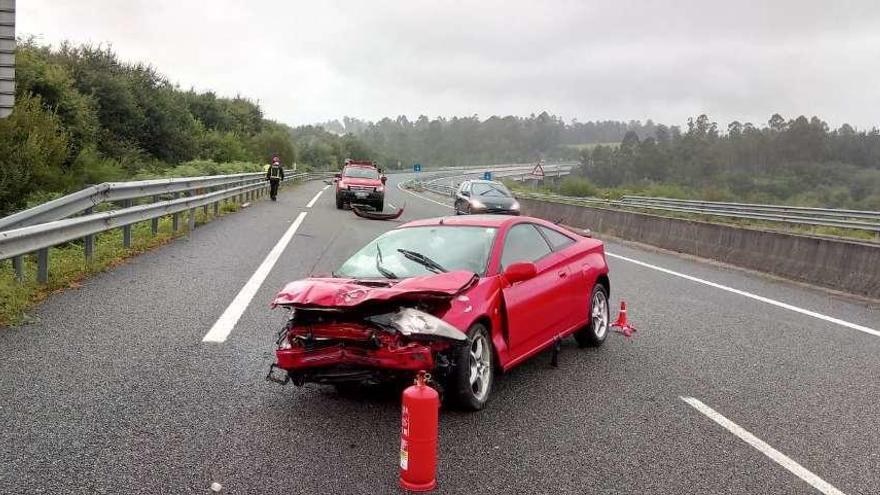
(563, 274)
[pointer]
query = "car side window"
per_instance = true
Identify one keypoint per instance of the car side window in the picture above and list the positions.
(523, 243)
(557, 239)
(465, 187)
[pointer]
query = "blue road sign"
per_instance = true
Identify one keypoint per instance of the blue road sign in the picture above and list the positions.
(417, 167)
(487, 175)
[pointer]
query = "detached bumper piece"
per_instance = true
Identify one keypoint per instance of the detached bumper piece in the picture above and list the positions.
(376, 215)
(277, 375)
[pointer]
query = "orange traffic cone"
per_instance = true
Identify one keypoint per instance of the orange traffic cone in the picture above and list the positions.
(622, 325)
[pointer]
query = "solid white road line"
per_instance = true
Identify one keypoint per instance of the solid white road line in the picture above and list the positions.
(312, 202)
(756, 297)
(224, 325)
(777, 456)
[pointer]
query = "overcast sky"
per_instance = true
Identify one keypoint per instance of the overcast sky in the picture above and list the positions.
(667, 60)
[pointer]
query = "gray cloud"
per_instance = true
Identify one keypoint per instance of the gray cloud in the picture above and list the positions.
(668, 60)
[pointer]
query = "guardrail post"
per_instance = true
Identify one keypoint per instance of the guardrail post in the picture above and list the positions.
(43, 265)
(154, 222)
(175, 218)
(192, 220)
(89, 242)
(126, 230)
(18, 267)
(216, 208)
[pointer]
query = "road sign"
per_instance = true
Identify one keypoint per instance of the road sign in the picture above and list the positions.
(487, 175)
(538, 170)
(417, 167)
(7, 57)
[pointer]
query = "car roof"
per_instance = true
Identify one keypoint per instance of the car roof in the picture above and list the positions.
(359, 165)
(484, 181)
(470, 221)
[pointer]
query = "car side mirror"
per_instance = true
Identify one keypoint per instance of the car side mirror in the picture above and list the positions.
(465, 193)
(384, 179)
(338, 176)
(521, 271)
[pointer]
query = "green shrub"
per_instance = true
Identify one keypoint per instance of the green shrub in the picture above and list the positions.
(577, 186)
(33, 149)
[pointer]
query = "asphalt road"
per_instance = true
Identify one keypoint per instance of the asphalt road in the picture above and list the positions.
(112, 390)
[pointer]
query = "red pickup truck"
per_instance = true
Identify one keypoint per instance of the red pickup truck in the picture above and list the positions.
(360, 182)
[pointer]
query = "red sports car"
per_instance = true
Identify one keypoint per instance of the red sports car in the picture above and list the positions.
(461, 297)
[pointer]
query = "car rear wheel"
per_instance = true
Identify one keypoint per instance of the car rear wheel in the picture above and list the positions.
(595, 332)
(379, 205)
(471, 382)
(339, 202)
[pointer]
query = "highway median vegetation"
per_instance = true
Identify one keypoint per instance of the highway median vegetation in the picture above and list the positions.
(578, 187)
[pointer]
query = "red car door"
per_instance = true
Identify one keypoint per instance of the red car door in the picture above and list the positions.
(575, 286)
(536, 307)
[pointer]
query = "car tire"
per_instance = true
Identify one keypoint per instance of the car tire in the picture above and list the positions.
(470, 384)
(379, 205)
(596, 330)
(339, 202)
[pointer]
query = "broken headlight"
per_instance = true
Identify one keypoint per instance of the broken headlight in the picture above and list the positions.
(410, 321)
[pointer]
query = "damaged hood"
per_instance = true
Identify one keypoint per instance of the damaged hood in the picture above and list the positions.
(346, 293)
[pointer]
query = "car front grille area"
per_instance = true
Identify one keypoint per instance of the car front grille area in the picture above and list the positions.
(495, 210)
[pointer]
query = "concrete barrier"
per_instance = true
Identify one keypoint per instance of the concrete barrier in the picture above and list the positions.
(849, 266)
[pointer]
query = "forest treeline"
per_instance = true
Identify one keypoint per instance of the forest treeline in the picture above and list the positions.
(82, 116)
(469, 140)
(798, 161)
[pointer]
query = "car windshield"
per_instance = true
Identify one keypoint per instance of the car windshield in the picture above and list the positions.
(361, 173)
(451, 247)
(490, 189)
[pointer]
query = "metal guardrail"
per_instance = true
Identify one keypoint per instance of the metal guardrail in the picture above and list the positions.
(72, 217)
(819, 217)
(117, 191)
(796, 215)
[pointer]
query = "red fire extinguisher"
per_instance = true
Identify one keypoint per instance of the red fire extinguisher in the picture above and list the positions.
(418, 436)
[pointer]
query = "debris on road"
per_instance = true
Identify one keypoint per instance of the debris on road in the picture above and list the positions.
(377, 215)
(216, 487)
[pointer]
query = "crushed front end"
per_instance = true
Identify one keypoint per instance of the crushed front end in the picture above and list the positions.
(341, 331)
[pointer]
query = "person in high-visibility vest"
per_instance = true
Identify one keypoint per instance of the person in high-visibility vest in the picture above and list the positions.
(274, 174)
